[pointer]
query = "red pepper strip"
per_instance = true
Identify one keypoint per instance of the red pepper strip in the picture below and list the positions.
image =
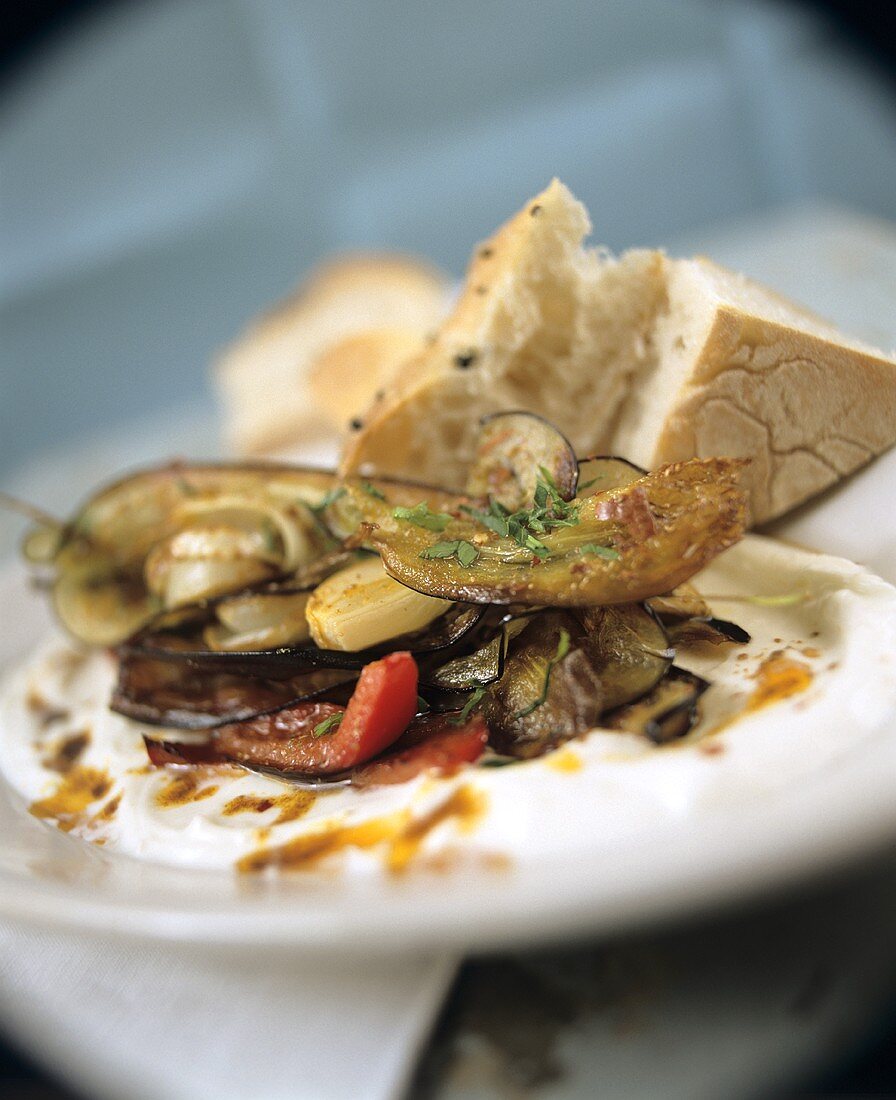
(381, 707)
(443, 750)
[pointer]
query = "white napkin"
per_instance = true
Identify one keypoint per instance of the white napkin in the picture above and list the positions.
(120, 1018)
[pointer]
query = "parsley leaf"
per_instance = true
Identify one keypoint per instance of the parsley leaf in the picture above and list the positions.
(440, 550)
(329, 724)
(465, 552)
(372, 491)
(562, 651)
(422, 516)
(471, 704)
(608, 553)
(327, 499)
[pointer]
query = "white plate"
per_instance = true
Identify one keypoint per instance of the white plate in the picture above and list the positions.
(628, 837)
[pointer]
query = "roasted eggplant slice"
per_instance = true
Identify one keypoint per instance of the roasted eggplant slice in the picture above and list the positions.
(628, 649)
(470, 670)
(685, 602)
(667, 713)
(515, 449)
(549, 692)
(694, 631)
(160, 693)
(624, 546)
(602, 473)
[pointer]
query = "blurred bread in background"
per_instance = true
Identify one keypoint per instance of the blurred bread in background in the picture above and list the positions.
(302, 370)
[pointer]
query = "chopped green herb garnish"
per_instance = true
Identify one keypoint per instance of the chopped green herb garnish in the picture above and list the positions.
(562, 650)
(269, 536)
(185, 487)
(440, 550)
(495, 519)
(499, 761)
(476, 697)
(550, 510)
(608, 553)
(422, 516)
(465, 552)
(329, 724)
(372, 491)
(327, 499)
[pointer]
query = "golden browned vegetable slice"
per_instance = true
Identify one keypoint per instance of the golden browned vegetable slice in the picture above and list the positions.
(623, 546)
(514, 450)
(667, 713)
(628, 649)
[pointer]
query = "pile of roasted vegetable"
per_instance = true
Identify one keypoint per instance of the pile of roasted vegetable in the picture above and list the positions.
(368, 629)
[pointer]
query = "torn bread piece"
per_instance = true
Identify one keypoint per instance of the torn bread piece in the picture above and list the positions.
(737, 370)
(264, 379)
(653, 359)
(542, 325)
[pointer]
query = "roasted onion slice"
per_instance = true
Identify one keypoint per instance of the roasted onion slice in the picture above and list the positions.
(171, 536)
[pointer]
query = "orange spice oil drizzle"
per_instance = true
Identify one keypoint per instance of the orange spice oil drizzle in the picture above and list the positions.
(291, 805)
(76, 791)
(401, 832)
(778, 677)
(183, 787)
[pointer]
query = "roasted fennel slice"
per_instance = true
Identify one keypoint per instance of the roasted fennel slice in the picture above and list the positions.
(621, 546)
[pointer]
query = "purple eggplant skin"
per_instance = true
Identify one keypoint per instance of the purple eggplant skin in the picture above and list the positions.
(442, 637)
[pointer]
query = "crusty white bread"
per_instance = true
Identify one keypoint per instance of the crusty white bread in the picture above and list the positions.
(646, 357)
(539, 320)
(263, 377)
(738, 370)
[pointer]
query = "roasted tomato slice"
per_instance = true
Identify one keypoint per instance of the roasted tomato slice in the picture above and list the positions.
(443, 749)
(313, 739)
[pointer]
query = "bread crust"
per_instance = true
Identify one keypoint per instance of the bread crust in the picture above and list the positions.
(806, 410)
